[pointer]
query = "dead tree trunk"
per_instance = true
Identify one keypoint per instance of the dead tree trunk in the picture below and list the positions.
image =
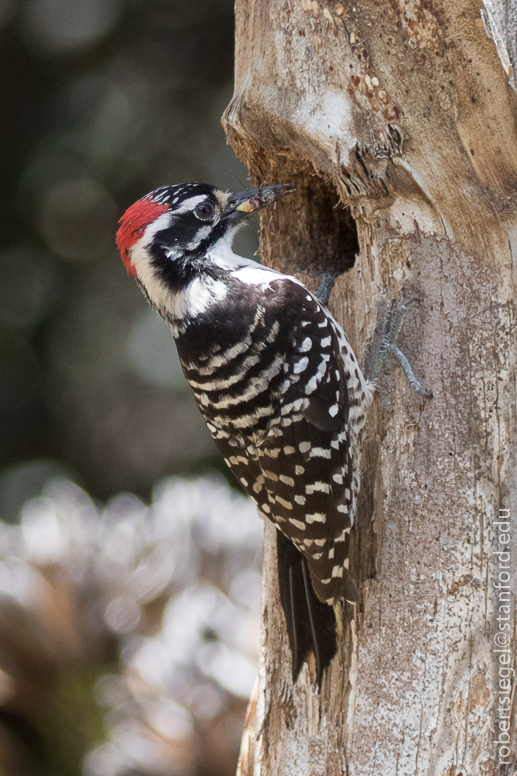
(396, 121)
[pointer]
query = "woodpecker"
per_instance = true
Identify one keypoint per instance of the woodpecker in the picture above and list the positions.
(276, 381)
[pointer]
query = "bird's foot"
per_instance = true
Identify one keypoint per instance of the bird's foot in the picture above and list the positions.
(390, 333)
(327, 284)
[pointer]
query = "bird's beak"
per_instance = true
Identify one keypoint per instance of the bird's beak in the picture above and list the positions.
(245, 202)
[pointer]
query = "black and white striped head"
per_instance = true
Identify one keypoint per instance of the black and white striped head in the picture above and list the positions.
(166, 233)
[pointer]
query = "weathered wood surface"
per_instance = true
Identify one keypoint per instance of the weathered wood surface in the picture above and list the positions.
(403, 109)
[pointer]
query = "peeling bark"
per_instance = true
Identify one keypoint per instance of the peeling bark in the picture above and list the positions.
(396, 121)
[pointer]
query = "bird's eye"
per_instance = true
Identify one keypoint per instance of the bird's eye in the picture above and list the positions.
(204, 210)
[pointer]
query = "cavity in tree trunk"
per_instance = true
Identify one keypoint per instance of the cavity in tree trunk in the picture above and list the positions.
(396, 121)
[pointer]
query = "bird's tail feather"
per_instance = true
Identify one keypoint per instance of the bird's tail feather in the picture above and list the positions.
(311, 624)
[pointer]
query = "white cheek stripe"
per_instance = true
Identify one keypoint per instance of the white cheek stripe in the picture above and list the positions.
(197, 297)
(162, 222)
(201, 234)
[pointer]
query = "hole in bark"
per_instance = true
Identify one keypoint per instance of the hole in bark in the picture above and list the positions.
(333, 232)
(311, 232)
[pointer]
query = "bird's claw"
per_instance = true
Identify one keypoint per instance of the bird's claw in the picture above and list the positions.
(390, 332)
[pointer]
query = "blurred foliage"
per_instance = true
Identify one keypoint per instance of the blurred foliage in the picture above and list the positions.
(128, 634)
(102, 101)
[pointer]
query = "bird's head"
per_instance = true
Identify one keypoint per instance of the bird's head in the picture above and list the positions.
(166, 232)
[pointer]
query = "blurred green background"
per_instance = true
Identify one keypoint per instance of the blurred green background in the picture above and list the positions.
(129, 572)
(102, 101)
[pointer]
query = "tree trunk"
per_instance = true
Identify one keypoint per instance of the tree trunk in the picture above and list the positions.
(403, 112)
